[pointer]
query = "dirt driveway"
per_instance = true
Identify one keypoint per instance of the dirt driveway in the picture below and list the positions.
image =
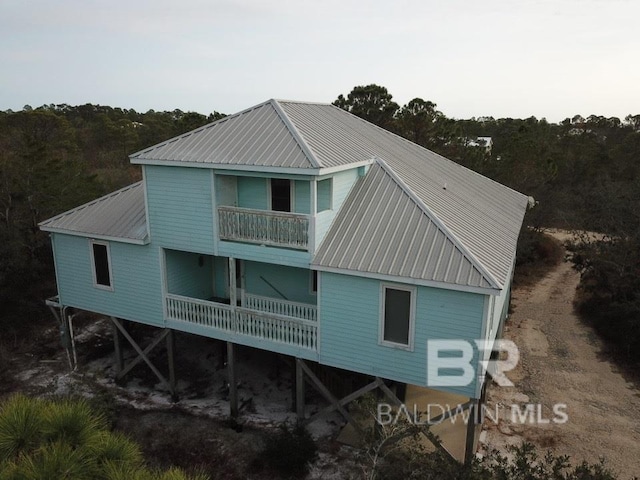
(561, 362)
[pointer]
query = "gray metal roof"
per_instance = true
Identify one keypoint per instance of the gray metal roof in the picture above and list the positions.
(119, 216)
(259, 137)
(382, 229)
(482, 215)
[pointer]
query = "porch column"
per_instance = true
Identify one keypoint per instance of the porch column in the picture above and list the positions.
(313, 207)
(233, 295)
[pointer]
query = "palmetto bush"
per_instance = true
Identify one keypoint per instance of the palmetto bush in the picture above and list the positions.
(21, 426)
(65, 439)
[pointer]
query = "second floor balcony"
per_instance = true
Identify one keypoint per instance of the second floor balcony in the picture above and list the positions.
(263, 227)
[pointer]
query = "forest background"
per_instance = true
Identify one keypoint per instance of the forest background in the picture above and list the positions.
(582, 173)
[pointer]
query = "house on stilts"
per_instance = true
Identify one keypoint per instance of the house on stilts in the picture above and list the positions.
(301, 229)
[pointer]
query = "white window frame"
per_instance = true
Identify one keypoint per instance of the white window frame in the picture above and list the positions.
(412, 316)
(109, 287)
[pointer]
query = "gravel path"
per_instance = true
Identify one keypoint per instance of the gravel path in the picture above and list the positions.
(561, 362)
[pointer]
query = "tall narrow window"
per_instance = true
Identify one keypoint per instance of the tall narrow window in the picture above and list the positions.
(397, 316)
(313, 281)
(101, 262)
(281, 194)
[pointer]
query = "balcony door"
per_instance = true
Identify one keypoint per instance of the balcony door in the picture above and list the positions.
(281, 195)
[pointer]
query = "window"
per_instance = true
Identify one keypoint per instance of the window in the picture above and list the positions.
(281, 194)
(397, 316)
(101, 263)
(313, 281)
(325, 192)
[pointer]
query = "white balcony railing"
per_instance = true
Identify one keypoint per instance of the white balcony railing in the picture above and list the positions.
(280, 229)
(280, 307)
(297, 332)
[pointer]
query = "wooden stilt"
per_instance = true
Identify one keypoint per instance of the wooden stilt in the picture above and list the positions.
(117, 337)
(335, 403)
(471, 434)
(387, 391)
(142, 354)
(171, 344)
(299, 392)
(233, 387)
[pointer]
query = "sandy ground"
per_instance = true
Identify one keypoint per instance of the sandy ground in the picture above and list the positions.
(195, 430)
(562, 362)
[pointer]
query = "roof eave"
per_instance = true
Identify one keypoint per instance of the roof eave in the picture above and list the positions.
(255, 168)
(108, 238)
(409, 280)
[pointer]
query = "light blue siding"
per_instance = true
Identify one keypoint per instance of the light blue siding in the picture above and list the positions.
(252, 193)
(136, 277)
(180, 208)
(293, 283)
(302, 192)
(189, 274)
(258, 253)
(349, 326)
(342, 184)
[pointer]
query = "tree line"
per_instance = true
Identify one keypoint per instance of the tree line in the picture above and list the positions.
(53, 158)
(582, 172)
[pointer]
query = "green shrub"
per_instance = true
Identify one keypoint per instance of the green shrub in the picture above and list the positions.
(21, 425)
(72, 422)
(66, 439)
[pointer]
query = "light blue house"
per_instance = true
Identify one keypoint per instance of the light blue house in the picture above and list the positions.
(300, 229)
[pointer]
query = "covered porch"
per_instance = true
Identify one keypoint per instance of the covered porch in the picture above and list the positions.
(272, 307)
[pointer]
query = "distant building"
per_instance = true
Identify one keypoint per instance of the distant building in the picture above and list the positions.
(481, 142)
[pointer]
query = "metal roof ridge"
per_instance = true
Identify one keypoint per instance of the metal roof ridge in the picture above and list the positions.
(91, 203)
(300, 102)
(435, 219)
(304, 146)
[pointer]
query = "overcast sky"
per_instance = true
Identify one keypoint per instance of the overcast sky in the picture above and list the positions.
(504, 58)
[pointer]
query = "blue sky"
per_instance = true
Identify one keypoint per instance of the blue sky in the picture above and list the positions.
(515, 58)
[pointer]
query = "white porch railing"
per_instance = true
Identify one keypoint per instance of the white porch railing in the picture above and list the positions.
(280, 229)
(281, 307)
(296, 332)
